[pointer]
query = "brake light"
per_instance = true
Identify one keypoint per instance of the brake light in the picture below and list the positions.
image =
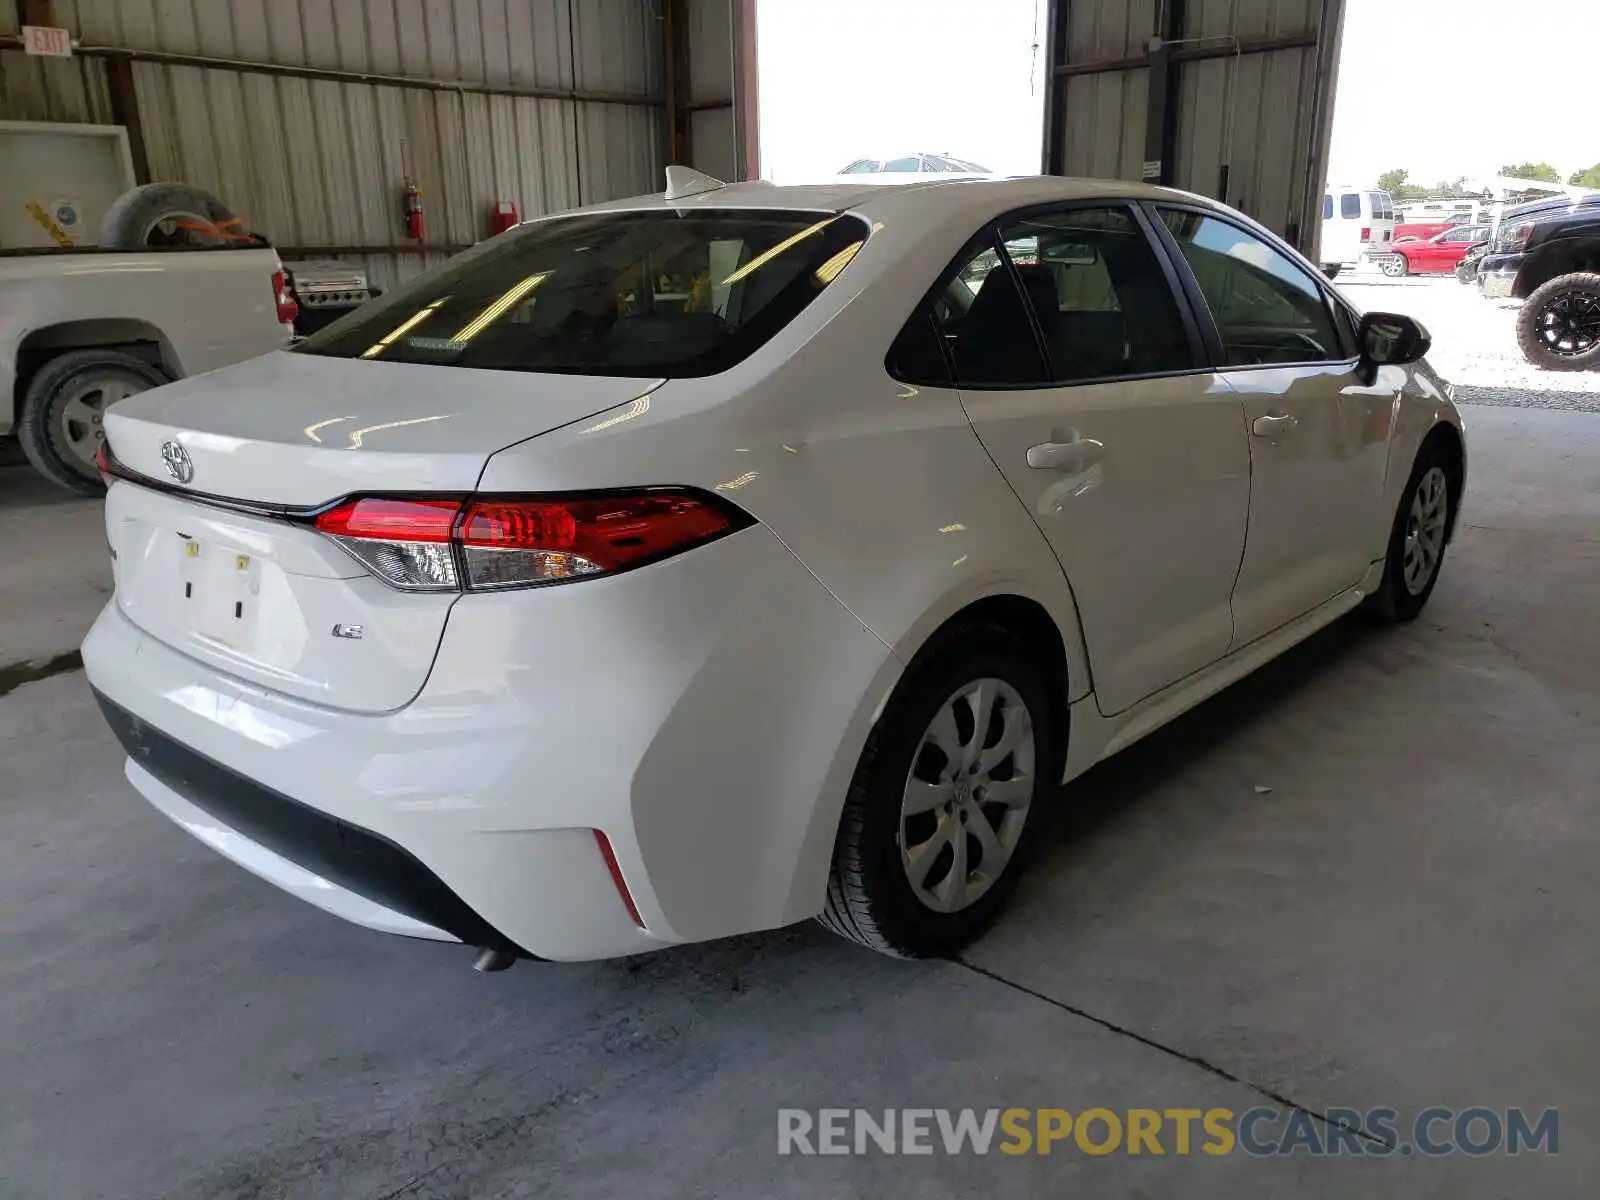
(444, 545)
(1366, 233)
(283, 297)
(406, 543)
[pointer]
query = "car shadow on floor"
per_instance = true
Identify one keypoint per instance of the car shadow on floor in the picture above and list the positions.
(1119, 784)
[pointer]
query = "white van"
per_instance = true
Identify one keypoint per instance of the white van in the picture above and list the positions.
(1355, 225)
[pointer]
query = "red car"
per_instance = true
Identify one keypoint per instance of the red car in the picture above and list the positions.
(1437, 255)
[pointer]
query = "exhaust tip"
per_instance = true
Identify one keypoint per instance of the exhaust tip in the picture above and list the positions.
(493, 958)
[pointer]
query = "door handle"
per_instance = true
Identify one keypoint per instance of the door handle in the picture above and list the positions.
(1272, 425)
(1076, 455)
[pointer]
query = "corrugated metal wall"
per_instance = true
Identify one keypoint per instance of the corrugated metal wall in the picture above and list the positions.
(318, 163)
(1257, 108)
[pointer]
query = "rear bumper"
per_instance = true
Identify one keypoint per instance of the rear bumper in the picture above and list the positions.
(350, 872)
(704, 714)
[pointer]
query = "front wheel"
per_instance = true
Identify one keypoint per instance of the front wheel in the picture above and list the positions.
(64, 408)
(1395, 266)
(1559, 325)
(946, 799)
(1417, 539)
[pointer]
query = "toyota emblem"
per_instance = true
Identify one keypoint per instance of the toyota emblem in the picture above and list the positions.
(179, 465)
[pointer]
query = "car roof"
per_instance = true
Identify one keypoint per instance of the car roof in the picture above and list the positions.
(982, 196)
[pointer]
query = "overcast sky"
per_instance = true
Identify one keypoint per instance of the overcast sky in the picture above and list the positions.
(1440, 87)
(846, 79)
(1462, 87)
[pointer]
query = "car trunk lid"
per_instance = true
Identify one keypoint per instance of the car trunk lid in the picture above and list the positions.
(225, 568)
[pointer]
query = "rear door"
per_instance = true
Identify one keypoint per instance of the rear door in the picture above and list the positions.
(1318, 434)
(1080, 370)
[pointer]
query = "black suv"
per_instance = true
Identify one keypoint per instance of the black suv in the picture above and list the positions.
(1548, 255)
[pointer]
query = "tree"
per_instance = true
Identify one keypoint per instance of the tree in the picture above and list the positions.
(1588, 178)
(1538, 172)
(1393, 181)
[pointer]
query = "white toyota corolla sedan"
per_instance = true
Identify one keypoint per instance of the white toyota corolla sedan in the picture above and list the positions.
(703, 562)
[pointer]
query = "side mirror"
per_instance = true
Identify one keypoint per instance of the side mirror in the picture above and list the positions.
(1390, 339)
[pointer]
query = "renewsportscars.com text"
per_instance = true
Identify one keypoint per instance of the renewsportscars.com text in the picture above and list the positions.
(1258, 1132)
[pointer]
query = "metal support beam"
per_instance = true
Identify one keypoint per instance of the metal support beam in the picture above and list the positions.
(675, 64)
(1055, 92)
(1161, 113)
(746, 122)
(125, 112)
(1185, 54)
(412, 82)
(35, 12)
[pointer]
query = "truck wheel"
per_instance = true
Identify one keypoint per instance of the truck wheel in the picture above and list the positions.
(1395, 266)
(1331, 270)
(64, 406)
(168, 214)
(1559, 325)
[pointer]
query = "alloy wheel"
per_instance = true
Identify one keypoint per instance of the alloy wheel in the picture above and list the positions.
(1425, 526)
(967, 795)
(82, 416)
(1570, 324)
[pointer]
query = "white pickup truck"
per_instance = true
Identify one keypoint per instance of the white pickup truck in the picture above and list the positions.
(79, 330)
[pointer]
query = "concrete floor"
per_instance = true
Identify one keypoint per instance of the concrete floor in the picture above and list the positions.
(1404, 919)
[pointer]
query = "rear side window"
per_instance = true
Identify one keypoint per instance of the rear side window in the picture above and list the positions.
(1327, 208)
(648, 294)
(1350, 206)
(1098, 294)
(983, 322)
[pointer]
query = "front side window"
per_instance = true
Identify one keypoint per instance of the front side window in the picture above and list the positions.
(649, 294)
(1350, 206)
(1267, 309)
(903, 165)
(1097, 291)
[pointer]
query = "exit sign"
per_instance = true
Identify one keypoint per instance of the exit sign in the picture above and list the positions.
(47, 40)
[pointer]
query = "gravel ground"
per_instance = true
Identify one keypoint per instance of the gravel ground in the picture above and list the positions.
(1474, 342)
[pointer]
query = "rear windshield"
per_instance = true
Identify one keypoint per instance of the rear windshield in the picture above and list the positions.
(649, 294)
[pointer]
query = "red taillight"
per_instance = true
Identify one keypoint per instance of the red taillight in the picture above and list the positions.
(391, 520)
(406, 543)
(510, 542)
(288, 307)
(415, 544)
(1366, 233)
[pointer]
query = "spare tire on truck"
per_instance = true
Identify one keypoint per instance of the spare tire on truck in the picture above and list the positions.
(169, 214)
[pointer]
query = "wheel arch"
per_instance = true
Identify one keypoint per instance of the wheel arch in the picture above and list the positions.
(1050, 626)
(128, 335)
(1447, 438)
(1565, 256)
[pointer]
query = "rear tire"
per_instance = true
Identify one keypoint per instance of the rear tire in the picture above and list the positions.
(1421, 530)
(1559, 325)
(1395, 266)
(61, 411)
(882, 892)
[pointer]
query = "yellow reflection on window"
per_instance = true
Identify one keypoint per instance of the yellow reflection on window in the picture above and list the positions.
(761, 260)
(400, 330)
(499, 308)
(834, 265)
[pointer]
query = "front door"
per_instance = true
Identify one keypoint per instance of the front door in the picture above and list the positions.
(1318, 434)
(1081, 377)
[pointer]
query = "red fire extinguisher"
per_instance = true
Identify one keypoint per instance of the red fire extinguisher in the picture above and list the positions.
(416, 219)
(503, 217)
